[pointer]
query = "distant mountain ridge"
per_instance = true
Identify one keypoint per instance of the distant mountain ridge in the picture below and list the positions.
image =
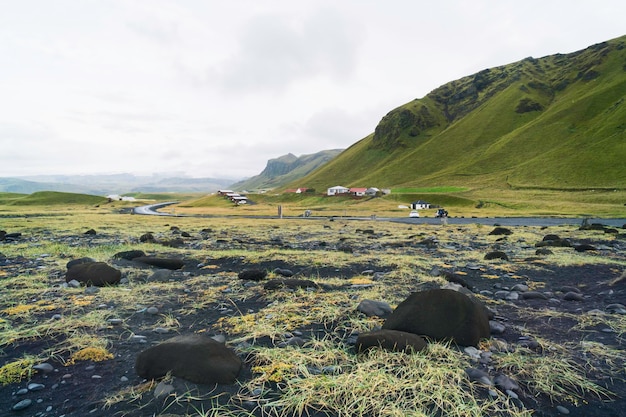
(111, 184)
(287, 168)
(552, 122)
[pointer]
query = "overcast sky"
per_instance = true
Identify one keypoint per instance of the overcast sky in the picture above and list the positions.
(216, 88)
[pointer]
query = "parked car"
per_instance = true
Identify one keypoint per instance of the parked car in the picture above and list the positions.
(414, 213)
(441, 213)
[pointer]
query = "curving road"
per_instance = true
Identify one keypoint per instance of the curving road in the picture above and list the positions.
(151, 209)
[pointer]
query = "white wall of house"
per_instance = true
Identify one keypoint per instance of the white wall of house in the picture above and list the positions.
(338, 189)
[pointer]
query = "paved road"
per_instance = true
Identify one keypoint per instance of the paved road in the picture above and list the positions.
(513, 221)
(151, 209)
(502, 221)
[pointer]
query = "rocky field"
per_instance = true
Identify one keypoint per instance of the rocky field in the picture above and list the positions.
(208, 317)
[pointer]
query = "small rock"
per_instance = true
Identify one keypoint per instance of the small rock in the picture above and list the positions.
(44, 367)
(476, 375)
(252, 274)
(512, 394)
(92, 290)
(283, 272)
(22, 391)
(152, 310)
(573, 296)
(115, 322)
(520, 288)
(35, 387)
(505, 383)
(161, 330)
(22, 405)
(496, 327)
(73, 284)
(472, 352)
(374, 308)
(512, 296)
(534, 295)
(562, 410)
(124, 379)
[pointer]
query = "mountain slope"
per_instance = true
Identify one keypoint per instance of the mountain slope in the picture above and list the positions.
(287, 168)
(111, 184)
(553, 122)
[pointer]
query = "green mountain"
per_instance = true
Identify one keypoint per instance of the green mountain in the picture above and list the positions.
(554, 122)
(285, 169)
(49, 198)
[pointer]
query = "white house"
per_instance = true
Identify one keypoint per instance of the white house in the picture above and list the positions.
(338, 189)
(372, 191)
(420, 204)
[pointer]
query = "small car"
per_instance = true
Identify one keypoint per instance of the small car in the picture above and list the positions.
(441, 213)
(414, 213)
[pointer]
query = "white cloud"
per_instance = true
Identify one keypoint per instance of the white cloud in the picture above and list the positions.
(212, 88)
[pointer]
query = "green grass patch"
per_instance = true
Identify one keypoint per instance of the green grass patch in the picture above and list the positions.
(419, 190)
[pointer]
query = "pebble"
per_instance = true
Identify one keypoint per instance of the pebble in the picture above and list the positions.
(44, 367)
(476, 375)
(73, 284)
(124, 379)
(562, 409)
(35, 387)
(513, 296)
(534, 295)
(92, 290)
(152, 310)
(22, 391)
(505, 383)
(573, 296)
(472, 352)
(496, 327)
(161, 330)
(22, 405)
(138, 338)
(115, 321)
(512, 394)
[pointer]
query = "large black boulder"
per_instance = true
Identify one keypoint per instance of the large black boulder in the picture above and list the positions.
(195, 358)
(441, 314)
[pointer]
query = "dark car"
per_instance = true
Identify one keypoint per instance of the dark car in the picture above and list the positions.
(441, 213)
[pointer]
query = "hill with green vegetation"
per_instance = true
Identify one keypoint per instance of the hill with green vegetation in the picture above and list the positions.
(285, 169)
(557, 122)
(48, 198)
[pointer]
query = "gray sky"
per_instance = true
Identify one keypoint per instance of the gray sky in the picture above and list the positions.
(216, 88)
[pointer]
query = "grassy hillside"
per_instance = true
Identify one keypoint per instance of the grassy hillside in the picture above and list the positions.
(47, 198)
(556, 122)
